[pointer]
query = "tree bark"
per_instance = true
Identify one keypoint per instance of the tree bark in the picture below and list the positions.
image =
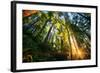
(46, 38)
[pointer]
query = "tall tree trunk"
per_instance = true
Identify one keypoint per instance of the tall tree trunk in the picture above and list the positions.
(46, 38)
(69, 42)
(67, 28)
(61, 39)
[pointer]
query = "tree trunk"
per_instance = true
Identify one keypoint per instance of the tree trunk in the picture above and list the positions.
(46, 38)
(67, 28)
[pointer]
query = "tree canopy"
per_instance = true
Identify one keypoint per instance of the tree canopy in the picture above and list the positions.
(56, 36)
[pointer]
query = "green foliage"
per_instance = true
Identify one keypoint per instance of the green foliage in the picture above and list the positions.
(48, 36)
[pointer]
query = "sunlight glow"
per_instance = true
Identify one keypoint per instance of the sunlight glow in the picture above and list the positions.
(77, 53)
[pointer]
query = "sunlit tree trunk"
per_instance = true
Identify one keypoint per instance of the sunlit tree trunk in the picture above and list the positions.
(69, 43)
(46, 38)
(68, 31)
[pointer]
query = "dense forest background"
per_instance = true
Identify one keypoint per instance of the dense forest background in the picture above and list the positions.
(56, 36)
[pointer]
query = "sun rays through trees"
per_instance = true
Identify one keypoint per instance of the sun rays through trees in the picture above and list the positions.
(56, 36)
